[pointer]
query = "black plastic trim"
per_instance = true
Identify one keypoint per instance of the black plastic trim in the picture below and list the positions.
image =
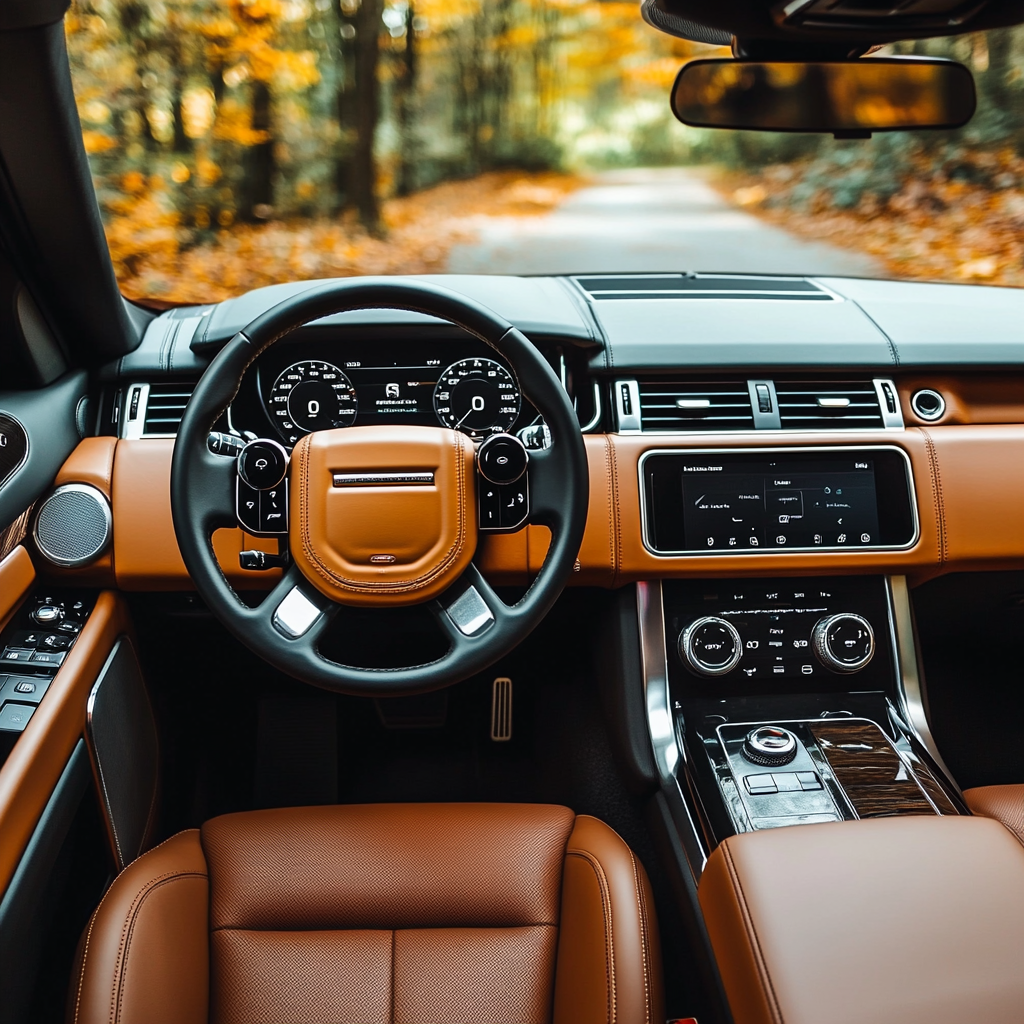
(22, 924)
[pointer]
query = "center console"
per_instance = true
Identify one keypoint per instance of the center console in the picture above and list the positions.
(787, 705)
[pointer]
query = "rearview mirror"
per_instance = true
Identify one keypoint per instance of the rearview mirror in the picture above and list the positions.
(846, 98)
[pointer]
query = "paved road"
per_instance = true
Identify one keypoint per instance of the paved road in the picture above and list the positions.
(663, 219)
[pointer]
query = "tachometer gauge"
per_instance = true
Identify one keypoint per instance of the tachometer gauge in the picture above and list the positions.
(311, 395)
(478, 397)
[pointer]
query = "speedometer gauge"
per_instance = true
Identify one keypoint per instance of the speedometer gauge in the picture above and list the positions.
(311, 395)
(478, 397)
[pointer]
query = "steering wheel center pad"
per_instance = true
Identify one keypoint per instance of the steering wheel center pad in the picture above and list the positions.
(383, 515)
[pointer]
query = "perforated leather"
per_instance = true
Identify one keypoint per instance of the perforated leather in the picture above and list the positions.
(1004, 803)
(398, 914)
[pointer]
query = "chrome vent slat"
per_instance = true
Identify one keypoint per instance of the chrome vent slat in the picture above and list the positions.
(724, 406)
(811, 405)
(165, 405)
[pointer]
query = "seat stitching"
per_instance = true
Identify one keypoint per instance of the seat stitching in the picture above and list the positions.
(129, 927)
(642, 910)
(602, 884)
(88, 937)
(762, 967)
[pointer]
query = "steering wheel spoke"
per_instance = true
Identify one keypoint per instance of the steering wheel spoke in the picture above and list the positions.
(213, 479)
(295, 610)
(470, 610)
(547, 488)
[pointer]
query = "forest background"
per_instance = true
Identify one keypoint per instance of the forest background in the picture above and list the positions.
(236, 143)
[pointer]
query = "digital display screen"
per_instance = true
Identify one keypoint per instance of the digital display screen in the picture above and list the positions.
(394, 393)
(754, 501)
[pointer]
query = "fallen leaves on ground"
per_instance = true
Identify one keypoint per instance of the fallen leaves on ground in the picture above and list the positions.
(933, 226)
(154, 261)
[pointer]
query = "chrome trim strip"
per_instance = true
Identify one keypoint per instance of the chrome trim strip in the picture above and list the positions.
(909, 685)
(892, 420)
(596, 418)
(131, 430)
(383, 479)
(295, 614)
(775, 551)
(627, 422)
(650, 615)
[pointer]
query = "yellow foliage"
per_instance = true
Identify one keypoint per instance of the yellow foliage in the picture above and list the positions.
(97, 142)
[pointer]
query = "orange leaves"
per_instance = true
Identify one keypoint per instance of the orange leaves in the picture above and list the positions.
(937, 226)
(152, 262)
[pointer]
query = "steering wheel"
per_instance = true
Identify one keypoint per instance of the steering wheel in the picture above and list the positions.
(379, 516)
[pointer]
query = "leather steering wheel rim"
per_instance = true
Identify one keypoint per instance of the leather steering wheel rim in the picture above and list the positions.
(202, 497)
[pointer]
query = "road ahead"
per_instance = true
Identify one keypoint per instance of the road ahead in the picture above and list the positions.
(662, 219)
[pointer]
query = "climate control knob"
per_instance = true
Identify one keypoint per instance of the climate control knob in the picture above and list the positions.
(843, 642)
(710, 646)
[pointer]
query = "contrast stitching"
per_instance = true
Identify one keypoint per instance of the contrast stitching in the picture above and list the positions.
(762, 967)
(126, 934)
(642, 909)
(88, 936)
(606, 912)
(940, 511)
(356, 586)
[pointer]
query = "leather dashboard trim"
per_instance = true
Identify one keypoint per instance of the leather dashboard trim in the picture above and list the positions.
(17, 574)
(30, 773)
(968, 503)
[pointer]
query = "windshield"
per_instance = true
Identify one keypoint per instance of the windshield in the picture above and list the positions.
(240, 143)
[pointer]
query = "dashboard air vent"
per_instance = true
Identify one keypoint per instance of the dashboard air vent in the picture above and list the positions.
(702, 286)
(832, 405)
(677, 406)
(165, 405)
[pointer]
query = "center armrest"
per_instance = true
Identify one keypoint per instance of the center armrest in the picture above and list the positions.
(901, 920)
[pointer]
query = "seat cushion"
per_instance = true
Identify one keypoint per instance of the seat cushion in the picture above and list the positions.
(1004, 803)
(398, 914)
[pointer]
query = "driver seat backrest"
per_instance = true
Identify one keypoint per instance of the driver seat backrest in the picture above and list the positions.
(389, 913)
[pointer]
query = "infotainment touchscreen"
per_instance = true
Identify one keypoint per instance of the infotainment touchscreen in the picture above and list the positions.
(777, 500)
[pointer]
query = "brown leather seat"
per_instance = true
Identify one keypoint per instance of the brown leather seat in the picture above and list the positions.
(1004, 803)
(391, 913)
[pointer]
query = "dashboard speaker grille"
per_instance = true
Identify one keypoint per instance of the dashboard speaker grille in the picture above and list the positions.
(73, 525)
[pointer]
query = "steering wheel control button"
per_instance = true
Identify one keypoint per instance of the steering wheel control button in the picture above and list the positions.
(263, 464)
(502, 459)
(844, 642)
(274, 509)
(770, 746)
(295, 614)
(470, 613)
(710, 646)
(247, 506)
(489, 503)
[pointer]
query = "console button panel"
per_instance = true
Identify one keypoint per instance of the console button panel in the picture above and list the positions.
(32, 648)
(776, 622)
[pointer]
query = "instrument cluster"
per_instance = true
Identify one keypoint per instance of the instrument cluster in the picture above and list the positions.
(321, 385)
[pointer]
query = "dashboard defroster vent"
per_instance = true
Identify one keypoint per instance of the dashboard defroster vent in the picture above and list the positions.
(699, 406)
(810, 405)
(702, 286)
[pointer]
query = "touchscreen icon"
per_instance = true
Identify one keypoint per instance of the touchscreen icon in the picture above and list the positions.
(817, 538)
(865, 538)
(841, 539)
(753, 542)
(711, 542)
(391, 391)
(780, 539)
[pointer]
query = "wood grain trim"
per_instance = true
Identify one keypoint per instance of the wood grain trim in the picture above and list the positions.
(17, 574)
(876, 780)
(30, 773)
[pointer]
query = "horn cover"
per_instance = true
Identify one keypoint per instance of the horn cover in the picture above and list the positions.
(379, 542)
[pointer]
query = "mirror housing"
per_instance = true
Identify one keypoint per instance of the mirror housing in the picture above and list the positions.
(848, 99)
